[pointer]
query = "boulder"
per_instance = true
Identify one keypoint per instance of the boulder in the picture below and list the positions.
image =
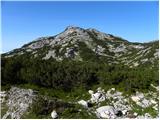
(106, 112)
(83, 102)
(54, 114)
(97, 97)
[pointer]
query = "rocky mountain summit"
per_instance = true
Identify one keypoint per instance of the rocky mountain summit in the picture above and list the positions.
(73, 42)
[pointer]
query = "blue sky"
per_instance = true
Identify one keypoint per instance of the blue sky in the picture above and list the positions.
(23, 22)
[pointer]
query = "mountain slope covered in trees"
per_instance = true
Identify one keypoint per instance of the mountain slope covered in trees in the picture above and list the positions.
(78, 60)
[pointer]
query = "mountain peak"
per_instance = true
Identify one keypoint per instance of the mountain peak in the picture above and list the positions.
(75, 42)
(72, 27)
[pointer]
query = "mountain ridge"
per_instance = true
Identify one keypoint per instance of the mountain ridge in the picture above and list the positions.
(72, 42)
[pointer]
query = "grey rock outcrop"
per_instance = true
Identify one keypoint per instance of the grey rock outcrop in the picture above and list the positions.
(18, 102)
(103, 46)
(106, 112)
(116, 105)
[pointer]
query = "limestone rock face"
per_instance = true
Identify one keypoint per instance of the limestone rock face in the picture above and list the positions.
(67, 44)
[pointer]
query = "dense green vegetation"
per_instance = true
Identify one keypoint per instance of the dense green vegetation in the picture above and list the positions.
(68, 75)
(43, 107)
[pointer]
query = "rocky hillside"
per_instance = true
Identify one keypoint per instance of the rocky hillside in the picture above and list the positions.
(90, 45)
(111, 104)
(80, 73)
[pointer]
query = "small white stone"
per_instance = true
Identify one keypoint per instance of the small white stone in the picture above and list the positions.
(96, 96)
(124, 112)
(125, 100)
(135, 114)
(140, 95)
(135, 98)
(113, 89)
(83, 102)
(90, 92)
(103, 90)
(99, 89)
(153, 102)
(54, 114)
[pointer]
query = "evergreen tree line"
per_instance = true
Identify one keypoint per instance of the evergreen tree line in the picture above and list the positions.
(69, 74)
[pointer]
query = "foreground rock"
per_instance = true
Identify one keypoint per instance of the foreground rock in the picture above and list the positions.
(110, 104)
(114, 104)
(106, 112)
(97, 97)
(18, 102)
